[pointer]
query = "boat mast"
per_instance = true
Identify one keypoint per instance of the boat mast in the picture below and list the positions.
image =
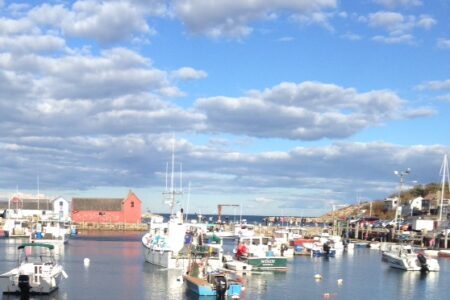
(445, 176)
(172, 192)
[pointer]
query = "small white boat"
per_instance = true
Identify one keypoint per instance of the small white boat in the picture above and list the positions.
(406, 259)
(38, 271)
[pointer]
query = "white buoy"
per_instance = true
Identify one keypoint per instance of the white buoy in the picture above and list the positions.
(86, 262)
(340, 281)
(318, 276)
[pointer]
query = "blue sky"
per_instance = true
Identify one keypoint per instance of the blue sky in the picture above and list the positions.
(285, 107)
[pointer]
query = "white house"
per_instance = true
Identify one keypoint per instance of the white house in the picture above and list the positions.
(416, 203)
(391, 203)
(61, 207)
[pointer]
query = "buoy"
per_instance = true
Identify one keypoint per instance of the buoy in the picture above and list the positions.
(318, 276)
(340, 281)
(327, 295)
(86, 262)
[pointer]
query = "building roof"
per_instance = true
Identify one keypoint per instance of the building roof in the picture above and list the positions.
(29, 202)
(3, 205)
(97, 204)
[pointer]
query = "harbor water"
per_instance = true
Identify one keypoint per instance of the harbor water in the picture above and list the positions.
(117, 270)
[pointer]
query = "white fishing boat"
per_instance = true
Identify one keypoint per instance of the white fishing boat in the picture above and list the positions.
(170, 244)
(51, 231)
(405, 258)
(258, 252)
(37, 273)
(16, 227)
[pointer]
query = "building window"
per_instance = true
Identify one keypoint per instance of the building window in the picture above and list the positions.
(132, 203)
(61, 203)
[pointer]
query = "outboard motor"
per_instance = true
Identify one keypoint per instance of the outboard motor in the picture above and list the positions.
(326, 249)
(221, 287)
(24, 285)
(423, 263)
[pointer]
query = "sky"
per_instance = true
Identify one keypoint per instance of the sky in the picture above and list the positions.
(284, 107)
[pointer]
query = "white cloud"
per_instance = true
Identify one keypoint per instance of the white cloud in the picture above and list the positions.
(426, 22)
(297, 177)
(398, 26)
(443, 43)
(420, 113)
(444, 98)
(308, 111)
(231, 19)
(187, 73)
(20, 26)
(398, 39)
(435, 85)
(315, 18)
(32, 44)
(105, 22)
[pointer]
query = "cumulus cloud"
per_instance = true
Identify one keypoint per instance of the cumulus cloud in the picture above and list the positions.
(443, 43)
(331, 172)
(398, 27)
(30, 43)
(308, 111)
(187, 73)
(232, 18)
(435, 85)
(106, 22)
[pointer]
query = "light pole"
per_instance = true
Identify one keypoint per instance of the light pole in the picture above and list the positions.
(401, 174)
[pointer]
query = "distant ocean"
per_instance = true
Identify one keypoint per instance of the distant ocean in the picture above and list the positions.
(251, 219)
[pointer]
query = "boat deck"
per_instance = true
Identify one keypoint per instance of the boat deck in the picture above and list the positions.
(196, 280)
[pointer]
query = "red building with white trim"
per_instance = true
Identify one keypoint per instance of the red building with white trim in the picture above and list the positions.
(107, 210)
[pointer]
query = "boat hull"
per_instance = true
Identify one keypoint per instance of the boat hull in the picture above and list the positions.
(204, 288)
(410, 262)
(38, 283)
(165, 259)
(267, 263)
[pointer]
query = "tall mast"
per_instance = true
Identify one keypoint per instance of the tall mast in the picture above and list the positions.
(172, 192)
(445, 176)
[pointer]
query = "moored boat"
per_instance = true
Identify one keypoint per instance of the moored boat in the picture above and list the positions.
(257, 251)
(37, 273)
(214, 284)
(406, 259)
(50, 231)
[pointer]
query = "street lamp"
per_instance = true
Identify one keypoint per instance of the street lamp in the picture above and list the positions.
(401, 174)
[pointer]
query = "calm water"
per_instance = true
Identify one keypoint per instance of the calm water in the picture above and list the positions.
(117, 270)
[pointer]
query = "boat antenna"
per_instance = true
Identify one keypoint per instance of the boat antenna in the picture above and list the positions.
(188, 199)
(37, 191)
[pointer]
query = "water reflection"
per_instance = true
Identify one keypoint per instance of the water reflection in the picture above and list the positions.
(117, 270)
(160, 283)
